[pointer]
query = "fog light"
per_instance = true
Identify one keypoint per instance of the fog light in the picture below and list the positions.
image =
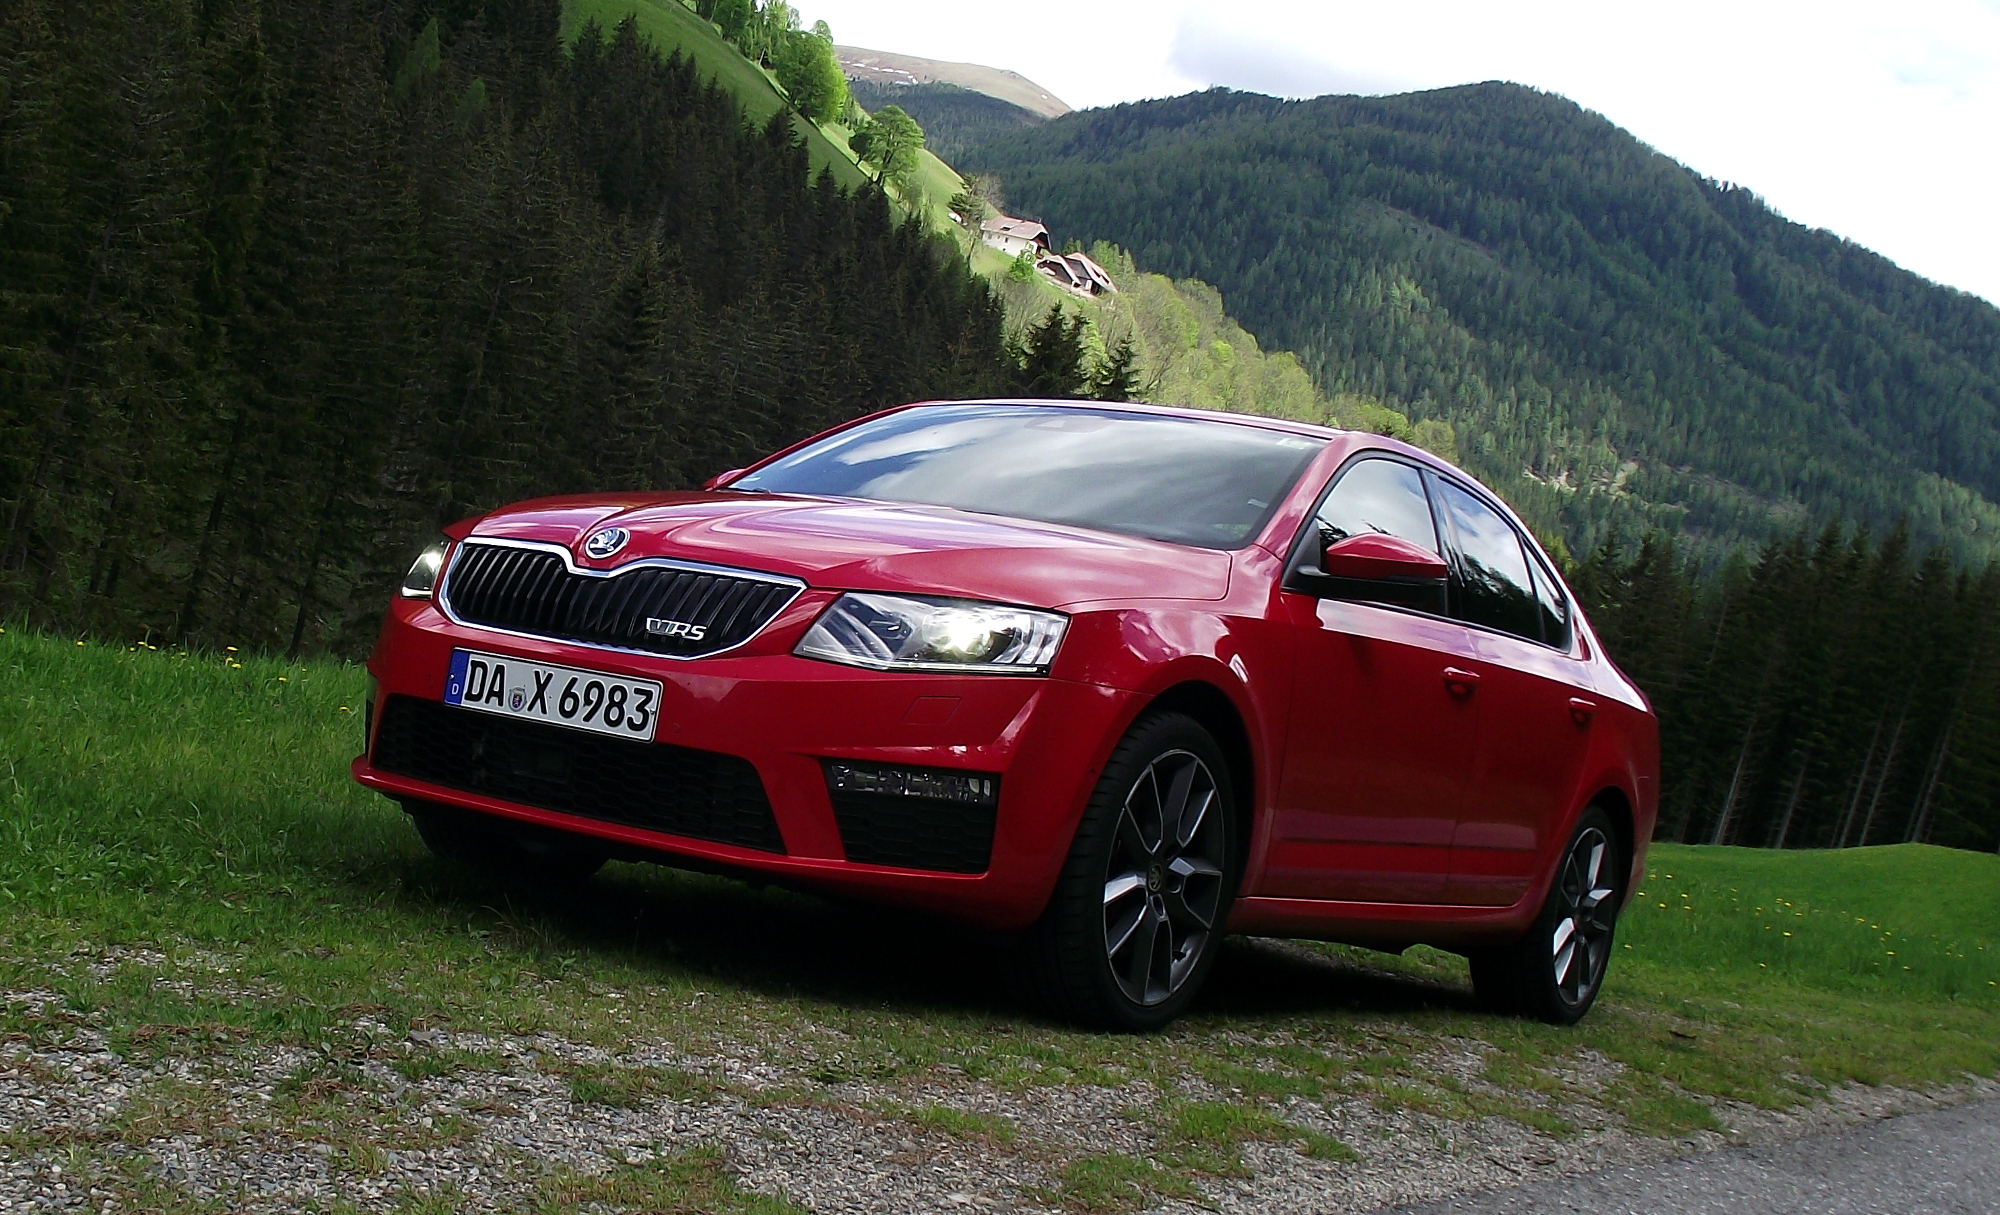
(933, 784)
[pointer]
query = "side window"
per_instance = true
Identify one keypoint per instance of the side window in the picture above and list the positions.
(1553, 605)
(1492, 586)
(1384, 496)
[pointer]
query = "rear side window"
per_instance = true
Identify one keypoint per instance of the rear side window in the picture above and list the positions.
(1491, 586)
(1384, 496)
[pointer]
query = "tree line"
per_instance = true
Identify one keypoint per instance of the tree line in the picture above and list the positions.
(286, 284)
(1620, 344)
(1831, 692)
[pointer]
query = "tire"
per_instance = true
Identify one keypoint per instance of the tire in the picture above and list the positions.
(517, 854)
(1554, 972)
(1136, 919)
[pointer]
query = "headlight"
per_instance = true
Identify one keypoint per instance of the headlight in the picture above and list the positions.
(907, 633)
(423, 575)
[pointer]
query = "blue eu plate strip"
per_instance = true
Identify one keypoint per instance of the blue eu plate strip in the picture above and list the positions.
(454, 681)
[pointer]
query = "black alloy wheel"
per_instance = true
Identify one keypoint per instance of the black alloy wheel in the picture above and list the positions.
(1555, 971)
(518, 854)
(1138, 914)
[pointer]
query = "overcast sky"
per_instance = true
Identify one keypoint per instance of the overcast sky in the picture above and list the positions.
(1880, 121)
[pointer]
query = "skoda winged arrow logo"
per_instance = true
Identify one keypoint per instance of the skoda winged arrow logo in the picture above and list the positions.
(603, 544)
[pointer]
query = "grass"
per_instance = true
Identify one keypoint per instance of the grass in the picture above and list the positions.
(671, 27)
(186, 868)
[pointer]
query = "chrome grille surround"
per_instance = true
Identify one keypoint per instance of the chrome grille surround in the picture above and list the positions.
(538, 600)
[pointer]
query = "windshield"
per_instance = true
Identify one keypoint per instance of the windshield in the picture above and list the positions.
(1184, 480)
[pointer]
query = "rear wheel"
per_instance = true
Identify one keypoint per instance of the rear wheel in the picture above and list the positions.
(1554, 972)
(1137, 916)
(518, 854)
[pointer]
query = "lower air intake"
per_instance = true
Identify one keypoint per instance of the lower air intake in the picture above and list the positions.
(914, 818)
(676, 790)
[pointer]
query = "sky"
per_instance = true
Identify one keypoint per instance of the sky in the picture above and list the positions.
(1879, 121)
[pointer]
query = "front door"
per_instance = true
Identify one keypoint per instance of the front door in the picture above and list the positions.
(1382, 723)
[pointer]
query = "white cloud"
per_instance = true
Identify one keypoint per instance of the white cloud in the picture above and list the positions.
(1880, 122)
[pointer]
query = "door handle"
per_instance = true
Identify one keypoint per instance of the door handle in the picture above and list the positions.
(1460, 682)
(1581, 710)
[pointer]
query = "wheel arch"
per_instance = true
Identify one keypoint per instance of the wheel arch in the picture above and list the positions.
(1214, 711)
(1613, 801)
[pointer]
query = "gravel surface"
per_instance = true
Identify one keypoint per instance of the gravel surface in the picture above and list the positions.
(385, 1118)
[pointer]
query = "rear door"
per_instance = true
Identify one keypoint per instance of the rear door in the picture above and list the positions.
(1379, 744)
(1534, 710)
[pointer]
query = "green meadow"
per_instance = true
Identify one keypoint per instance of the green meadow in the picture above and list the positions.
(167, 816)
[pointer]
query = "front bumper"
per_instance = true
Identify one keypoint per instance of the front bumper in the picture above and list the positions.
(1046, 738)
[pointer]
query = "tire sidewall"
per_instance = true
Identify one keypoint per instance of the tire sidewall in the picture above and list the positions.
(1078, 908)
(1536, 978)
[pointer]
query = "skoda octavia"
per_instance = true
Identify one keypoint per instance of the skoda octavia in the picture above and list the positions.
(1120, 678)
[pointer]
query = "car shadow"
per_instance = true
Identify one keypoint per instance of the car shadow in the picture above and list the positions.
(792, 944)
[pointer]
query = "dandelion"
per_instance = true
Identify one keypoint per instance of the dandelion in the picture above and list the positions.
(1892, 953)
(230, 648)
(345, 709)
(1663, 906)
(1763, 966)
(79, 643)
(282, 679)
(1788, 934)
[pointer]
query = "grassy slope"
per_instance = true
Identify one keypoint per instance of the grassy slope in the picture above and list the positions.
(1179, 375)
(670, 27)
(200, 807)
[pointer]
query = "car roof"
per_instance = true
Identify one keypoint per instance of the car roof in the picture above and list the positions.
(1357, 438)
(1168, 411)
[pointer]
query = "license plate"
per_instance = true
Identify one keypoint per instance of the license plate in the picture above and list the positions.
(561, 696)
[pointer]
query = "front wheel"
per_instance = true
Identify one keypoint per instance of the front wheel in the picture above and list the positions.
(1138, 913)
(1555, 971)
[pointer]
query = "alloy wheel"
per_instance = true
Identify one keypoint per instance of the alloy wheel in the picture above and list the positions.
(1164, 879)
(1580, 944)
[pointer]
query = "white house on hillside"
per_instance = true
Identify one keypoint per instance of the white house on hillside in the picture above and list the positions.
(1077, 272)
(1014, 236)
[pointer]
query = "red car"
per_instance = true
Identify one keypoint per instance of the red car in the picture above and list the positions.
(1119, 676)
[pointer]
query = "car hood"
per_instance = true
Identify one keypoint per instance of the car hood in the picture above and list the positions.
(847, 544)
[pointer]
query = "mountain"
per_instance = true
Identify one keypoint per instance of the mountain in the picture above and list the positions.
(953, 118)
(888, 68)
(1618, 342)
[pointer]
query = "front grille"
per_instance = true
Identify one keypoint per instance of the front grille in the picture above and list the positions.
(914, 832)
(527, 590)
(677, 790)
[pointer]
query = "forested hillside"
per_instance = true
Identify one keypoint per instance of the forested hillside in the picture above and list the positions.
(1618, 343)
(284, 284)
(1830, 693)
(953, 118)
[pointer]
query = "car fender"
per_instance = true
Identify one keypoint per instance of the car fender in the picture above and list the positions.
(1151, 649)
(1612, 762)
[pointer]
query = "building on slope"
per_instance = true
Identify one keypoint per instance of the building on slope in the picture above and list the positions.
(1076, 272)
(1014, 236)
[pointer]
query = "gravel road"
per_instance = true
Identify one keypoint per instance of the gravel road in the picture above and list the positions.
(1939, 1162)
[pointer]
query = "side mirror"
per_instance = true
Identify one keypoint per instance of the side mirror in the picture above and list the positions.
(1375, 568)
(1373, 555)
(721, 479)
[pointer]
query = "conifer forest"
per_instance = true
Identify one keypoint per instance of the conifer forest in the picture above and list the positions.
(285, 285)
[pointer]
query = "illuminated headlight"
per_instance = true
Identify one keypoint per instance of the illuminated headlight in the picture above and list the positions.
(423, 575)
(908, 633)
